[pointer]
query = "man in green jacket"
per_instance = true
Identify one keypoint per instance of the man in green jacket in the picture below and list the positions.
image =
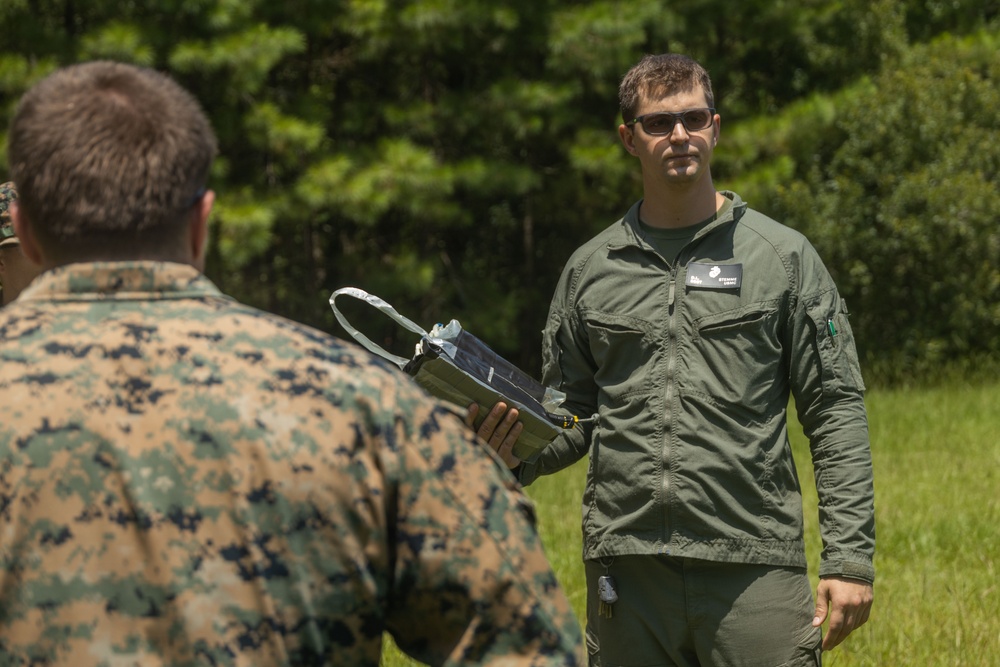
(685, 327)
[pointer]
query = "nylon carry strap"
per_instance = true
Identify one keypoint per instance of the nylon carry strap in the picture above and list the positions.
(375, 302)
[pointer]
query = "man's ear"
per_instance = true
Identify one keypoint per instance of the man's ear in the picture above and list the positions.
(26, 236)
(627, 135)
(199, 228)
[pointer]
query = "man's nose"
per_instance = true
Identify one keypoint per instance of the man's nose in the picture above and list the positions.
(679, 134)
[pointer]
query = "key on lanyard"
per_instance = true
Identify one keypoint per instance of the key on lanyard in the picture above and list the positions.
(607, 593)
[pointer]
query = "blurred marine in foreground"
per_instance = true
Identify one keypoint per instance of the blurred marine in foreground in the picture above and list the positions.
(185, 479)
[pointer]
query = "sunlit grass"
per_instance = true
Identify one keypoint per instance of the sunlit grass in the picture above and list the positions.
(937, 497)
(937, 483)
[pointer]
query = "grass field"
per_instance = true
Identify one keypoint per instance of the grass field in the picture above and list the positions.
(937, 483)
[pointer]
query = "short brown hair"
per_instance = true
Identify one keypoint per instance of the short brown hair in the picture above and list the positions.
(108, 159)
(659, 76)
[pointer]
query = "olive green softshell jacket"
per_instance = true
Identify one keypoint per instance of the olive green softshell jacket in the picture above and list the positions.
(689, 366)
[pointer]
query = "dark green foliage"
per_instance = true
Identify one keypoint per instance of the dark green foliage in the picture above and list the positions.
(899, 195)
(448, 155)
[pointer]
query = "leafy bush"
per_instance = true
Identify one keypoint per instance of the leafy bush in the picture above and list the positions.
(897, 190)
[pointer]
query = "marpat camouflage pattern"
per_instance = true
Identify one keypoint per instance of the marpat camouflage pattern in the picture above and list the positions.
(187, 480)
(8, 195)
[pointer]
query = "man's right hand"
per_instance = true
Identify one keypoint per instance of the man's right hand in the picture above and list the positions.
(500, 429)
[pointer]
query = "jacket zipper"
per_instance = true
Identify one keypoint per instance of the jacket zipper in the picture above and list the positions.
(668, 399)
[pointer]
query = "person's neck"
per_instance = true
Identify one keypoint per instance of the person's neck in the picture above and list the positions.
(679, 207)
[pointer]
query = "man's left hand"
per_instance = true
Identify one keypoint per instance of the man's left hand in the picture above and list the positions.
(846, 603)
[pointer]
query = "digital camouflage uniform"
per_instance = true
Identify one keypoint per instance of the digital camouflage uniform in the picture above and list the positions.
(7, 238)
(7, 195)
(187, 480)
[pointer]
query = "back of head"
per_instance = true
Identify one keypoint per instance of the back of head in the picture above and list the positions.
(108, 159)
(658, 76)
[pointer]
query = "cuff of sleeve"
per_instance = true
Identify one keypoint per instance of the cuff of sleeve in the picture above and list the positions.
(849, 569)
(526, 473)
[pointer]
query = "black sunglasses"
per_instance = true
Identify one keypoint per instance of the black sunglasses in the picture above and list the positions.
(663, 122)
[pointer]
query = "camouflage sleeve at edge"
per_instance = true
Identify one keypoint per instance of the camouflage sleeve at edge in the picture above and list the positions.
(473, 585)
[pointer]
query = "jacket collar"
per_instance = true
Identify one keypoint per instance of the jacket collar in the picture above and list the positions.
(100, 281)
(630, 233)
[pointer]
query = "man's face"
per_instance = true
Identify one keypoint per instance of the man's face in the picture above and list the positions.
(680, 157)
(16, 272)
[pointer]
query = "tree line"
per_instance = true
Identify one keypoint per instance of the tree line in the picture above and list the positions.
(448, 155)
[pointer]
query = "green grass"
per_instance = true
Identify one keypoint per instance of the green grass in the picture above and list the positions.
(937, 483)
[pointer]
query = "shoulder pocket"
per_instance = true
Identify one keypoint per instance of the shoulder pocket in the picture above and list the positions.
(838, 353)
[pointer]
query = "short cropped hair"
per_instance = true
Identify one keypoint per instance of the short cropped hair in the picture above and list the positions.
(658, 76)
(108, 159)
